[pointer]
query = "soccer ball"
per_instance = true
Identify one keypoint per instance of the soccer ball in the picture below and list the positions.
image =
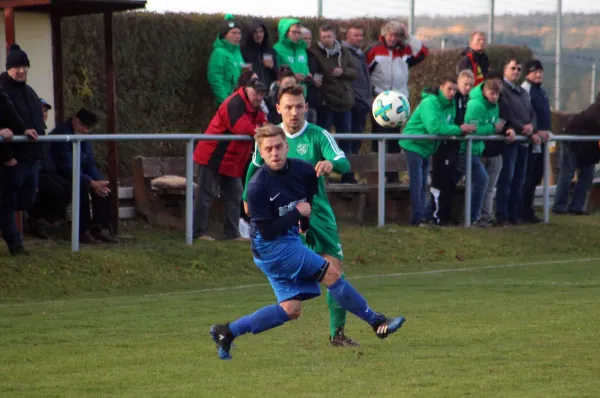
(391, 109)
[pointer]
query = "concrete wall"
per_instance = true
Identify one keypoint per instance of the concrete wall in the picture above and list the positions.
(33, 34)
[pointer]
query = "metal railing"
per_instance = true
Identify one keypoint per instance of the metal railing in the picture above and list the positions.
(76, 140)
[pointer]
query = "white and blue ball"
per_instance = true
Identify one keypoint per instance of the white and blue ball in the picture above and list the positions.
(391, 109)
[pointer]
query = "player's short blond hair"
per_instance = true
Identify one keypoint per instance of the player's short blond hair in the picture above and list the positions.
(268, 130)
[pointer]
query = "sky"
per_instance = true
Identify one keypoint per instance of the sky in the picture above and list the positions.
(349, 8)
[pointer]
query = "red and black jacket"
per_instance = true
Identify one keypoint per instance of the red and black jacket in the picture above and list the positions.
(234, 116)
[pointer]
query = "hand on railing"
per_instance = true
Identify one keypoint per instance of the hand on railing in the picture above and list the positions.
(31, 133)
(6, 134)
(511, 135)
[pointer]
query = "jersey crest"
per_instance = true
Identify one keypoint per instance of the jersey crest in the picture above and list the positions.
(302, 149)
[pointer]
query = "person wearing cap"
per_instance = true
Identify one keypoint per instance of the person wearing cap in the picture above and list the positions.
(93, 183)
(19, 163)
(534, 77)
(226, 62)
(45, 108)
(222, 163)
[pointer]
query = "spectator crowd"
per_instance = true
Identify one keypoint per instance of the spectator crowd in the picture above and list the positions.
(340, 75)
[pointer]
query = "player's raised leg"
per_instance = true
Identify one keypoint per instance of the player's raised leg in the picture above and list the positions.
(262, 320)
(351, 300)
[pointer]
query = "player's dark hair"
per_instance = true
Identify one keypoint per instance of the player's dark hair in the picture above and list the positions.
(294, 91)
(448, 79)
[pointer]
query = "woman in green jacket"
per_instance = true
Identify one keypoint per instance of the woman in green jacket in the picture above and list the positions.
(226, 61)
(434, 115)
(482, 111)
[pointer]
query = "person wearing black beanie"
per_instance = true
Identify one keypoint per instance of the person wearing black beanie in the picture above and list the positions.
(19, 163)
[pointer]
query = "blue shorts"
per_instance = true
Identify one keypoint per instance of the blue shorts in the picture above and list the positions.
(291, 268)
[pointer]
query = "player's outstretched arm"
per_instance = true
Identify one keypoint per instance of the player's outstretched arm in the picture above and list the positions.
(331, 152)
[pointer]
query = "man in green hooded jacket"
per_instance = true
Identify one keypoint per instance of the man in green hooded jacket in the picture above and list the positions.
(434, 115)
(291, 50)
(226, 61)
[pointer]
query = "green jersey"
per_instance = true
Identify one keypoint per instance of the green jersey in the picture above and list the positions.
(311, 144)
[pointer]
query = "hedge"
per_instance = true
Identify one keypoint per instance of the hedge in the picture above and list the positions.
(161, 72)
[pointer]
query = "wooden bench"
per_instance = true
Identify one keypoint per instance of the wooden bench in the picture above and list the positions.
(353, 200)
(160, 206)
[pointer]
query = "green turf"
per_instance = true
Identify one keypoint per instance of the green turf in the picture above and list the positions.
(521, 331)
(159, 261)
(494, 312)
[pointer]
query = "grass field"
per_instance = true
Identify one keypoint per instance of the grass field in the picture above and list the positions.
(502, 312)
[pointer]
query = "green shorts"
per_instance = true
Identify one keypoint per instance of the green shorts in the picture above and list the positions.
(324, 239)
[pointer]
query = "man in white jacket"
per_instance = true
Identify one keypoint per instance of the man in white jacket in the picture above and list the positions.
(389, 60)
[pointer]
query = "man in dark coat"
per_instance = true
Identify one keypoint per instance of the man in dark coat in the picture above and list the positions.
(22, 113)
(257, 51)
(578, 156)
(97, 227)
(475, 59)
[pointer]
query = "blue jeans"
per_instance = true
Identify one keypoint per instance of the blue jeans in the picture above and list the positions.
(509, 190)
(18, 186)
(418, 171)
(585, 178)
(480, 182)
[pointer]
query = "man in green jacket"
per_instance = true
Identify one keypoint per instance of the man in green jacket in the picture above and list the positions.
(291, 50)
(434, 115)
(226, 61)
(482, 111)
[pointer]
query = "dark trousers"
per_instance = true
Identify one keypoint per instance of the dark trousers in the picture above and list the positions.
(509, 189)
(569, 164)
(18, 185)
(54, 195)
(443, 185)
(230, 190)
(392, 146)
(96, 216)
(535, 174)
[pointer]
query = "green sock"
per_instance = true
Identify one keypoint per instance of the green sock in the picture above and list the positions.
(337, 315)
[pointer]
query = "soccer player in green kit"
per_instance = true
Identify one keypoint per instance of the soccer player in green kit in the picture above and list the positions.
(316, 146)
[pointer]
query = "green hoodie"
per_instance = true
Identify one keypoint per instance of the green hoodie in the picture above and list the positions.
(224, 69)
(434, 115)
(486, 114)
(289, 53)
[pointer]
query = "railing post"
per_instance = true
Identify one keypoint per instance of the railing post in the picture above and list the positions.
(546, 183)
(189, 192)
(381, 184)
(76, 196)
(468, 177)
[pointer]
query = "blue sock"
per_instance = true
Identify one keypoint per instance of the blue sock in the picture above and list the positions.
(264, 319)
(350, 300)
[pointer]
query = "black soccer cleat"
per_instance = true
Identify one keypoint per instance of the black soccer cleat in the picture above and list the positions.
(341, 340)
(222, 336)
(387, 326)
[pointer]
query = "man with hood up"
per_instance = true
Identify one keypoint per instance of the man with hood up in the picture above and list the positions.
(226, 61)
(257, 51)
(291, 50)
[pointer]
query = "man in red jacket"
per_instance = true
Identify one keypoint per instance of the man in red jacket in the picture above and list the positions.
(221, 163)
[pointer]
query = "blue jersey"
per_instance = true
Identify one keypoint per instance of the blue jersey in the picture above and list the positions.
(272, 199)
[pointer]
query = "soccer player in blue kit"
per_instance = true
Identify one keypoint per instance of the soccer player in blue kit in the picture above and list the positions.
(279, 197)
